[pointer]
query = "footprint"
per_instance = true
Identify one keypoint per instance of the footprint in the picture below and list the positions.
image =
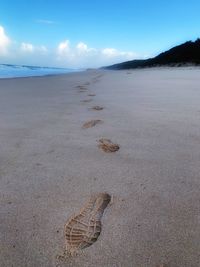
(86, 100)
(81, 87)
(91, 123)
(87, 83)
(83, 90)
(91, 95)
(107, 146)
(83, 229)
(97, 108)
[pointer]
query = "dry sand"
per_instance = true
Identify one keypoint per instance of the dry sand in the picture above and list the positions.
(49, 167)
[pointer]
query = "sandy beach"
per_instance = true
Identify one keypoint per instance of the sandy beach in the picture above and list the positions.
(50, 165)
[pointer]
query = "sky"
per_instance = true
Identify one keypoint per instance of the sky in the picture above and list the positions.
(93, 33)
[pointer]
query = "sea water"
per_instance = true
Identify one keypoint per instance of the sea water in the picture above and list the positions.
(11, 71)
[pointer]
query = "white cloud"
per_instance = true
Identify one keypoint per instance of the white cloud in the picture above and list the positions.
(30, 48)
(82, 48)
(112, 53)
(45, 21)
(27, 47)
(63, 49)
(4, 42)
(42, 49)
(81, 55)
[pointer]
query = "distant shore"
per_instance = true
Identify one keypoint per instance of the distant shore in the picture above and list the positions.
(52, 160)
(181, 55)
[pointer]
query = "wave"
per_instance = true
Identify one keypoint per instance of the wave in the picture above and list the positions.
(12, 71)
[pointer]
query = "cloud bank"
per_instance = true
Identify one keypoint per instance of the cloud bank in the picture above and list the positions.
(30, 48)
(65, 54)
(4, 42)
(83, 56)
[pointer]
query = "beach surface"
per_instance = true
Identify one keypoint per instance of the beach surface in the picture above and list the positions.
(50, 165)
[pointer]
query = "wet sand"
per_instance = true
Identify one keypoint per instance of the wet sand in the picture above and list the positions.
(50, 166)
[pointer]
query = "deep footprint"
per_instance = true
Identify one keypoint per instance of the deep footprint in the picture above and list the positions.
(107, 146)
(87, 83)
(91, 123)
(97, 108)
(81, 87)
(91, 95)
(82, 230)
(86, 100)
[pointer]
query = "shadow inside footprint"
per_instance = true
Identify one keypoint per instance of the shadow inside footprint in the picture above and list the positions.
(107, 146)
(91, 95)
(86, 100)
(91, 123)
(82, 87)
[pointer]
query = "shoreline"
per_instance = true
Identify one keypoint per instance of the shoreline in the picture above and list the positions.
(188, 67)
(38, 76)
(45, 75)
(21, 71)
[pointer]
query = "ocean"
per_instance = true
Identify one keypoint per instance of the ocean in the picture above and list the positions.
(12, 71)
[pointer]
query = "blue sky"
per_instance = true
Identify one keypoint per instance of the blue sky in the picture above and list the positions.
(78, 33)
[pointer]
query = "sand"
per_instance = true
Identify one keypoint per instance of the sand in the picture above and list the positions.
(49, 167)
